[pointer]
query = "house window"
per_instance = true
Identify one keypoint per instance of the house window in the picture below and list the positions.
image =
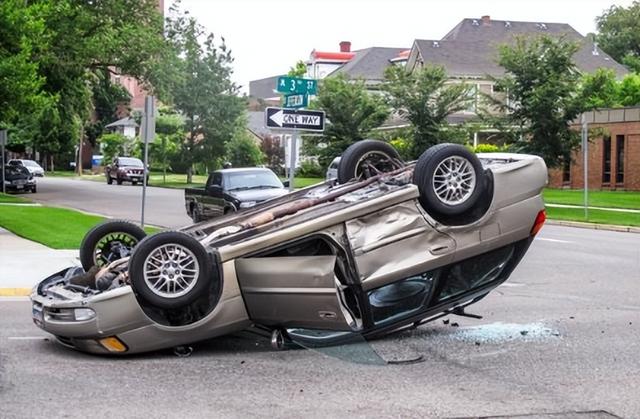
(606, 160)
(619, 158)
(472, 96)
(566, 172)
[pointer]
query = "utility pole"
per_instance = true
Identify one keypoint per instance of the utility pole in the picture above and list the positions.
(3, 141)
(148, 131)
(585, 164)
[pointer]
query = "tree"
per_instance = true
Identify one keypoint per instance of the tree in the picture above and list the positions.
(299, 70)
(352, 111)
(203, 92)
(169, 137)
(425, 99)
(619, 34)
(242, 151)
(542, 84)
(274, 153)
(600, 89)
(113, 145)
(629, 90)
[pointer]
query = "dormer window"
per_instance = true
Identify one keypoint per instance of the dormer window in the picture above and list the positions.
(436, 44)
(542, 26)
(507, 25)
(475, 22)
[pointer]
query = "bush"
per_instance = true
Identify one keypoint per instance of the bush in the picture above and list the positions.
(309, 168)
(242, 151)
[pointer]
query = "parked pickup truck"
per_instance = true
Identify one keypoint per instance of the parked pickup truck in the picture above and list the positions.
(230, 190)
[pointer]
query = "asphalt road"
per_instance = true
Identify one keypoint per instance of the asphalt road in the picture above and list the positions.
(165, 207)
(559, 339)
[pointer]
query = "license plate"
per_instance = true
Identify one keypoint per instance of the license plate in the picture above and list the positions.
(38, 317)
(20, 187)
(19, 182)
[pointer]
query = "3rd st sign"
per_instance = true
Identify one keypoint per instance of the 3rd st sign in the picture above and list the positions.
(293, 119)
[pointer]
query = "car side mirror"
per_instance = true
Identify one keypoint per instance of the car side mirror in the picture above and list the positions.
(286, 183)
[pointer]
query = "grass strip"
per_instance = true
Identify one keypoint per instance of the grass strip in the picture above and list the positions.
(607, 199)
(595, 216)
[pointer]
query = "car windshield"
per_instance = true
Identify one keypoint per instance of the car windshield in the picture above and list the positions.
(15, 170)
(129, 162)
(252, 179)
(30, 163)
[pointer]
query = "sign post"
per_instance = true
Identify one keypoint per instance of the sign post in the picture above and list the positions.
(3, 142)
(147, 131)
(585, 164)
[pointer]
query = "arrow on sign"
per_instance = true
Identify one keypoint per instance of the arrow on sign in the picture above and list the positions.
(277, 117)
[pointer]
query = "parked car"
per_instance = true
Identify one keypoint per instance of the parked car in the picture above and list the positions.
(32, 166)
(390, 245)
(332, 170)
(17, 178)
(126, 169)
(229, 190)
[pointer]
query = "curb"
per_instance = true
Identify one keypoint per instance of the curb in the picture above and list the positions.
(593, 226)
(15, 292)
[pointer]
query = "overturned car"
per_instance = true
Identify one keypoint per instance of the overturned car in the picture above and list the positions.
(387, 245)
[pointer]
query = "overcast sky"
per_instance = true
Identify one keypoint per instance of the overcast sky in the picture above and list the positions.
(269, 36)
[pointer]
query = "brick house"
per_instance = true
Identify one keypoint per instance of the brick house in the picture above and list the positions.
(614, 153)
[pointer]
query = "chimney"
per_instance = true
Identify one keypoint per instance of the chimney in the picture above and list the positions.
(345, 46)
(486, 20)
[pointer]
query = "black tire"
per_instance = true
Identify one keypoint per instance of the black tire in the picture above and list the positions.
(152, 261)
(109, 180)
(449, 196)
(119, 181)
(196, 216)
(33, 190)
(384, 158)
(134, 182)
(109, 241)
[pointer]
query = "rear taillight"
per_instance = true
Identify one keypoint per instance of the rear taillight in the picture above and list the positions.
(539, 222)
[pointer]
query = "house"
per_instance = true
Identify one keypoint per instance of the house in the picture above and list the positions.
(126, 126)
(613, 152)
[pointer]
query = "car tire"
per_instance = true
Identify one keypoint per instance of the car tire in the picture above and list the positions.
(119, 181)
(109, 241)
(170, 270)
(450, 179)
(196, 215)
(134, 182)
(33, 190)
(358, 157)
(109, 180)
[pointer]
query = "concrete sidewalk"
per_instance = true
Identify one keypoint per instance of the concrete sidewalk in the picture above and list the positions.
(24, 263)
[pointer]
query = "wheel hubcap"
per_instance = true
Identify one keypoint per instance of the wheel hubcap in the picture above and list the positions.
(454, 180)
(171, 270)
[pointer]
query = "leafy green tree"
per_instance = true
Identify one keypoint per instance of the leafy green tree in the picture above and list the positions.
(619, 34)
(542, 84)
(203, 92)
(425, 99)
(629, 90)
(600, 89)
(274, 153)
(169, 136)
(353, 113)
(299, 70)
(113, 145)
(243, 151)
(107, 98)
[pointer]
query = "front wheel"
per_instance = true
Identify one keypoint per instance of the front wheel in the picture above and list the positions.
(450, 178)
(170, 270)
(109, 241)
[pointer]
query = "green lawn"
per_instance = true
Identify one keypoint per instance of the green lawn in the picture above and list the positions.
(303, 182)
(608, 199)
(595, 216)
(12, 199)
(178, 181)
(58, 228)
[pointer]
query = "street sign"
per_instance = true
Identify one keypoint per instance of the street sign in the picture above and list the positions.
(295, 101)
(148, 120)
(291, 85)
(294, 119)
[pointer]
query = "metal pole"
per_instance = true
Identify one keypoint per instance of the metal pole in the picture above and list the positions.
(144, 181)
(292, 158)
(149, 128)
(585, 164)
(3, 139)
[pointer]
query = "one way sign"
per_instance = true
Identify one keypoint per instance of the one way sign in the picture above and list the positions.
(293, 119)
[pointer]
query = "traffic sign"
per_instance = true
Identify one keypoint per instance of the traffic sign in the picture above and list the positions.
(295, 101)
(294, 119)
(298, 85)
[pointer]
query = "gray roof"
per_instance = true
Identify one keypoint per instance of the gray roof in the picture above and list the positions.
(263, 88)
(256, 123)
(471, 47)
(124, 122)
(369, 63)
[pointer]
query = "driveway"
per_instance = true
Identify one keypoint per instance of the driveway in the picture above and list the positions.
(165, 207)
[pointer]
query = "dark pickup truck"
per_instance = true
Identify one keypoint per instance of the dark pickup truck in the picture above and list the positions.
(230, 190)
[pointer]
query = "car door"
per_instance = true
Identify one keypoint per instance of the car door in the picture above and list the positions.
(213, 201)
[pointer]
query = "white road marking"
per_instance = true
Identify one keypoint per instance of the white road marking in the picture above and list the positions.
(554, 240)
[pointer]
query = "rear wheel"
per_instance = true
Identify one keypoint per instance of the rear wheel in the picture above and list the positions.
(170, 270)
(109, 241)
(450, 178)
(367, 158)
(109, 180)
(119, 181)
(196, 215)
